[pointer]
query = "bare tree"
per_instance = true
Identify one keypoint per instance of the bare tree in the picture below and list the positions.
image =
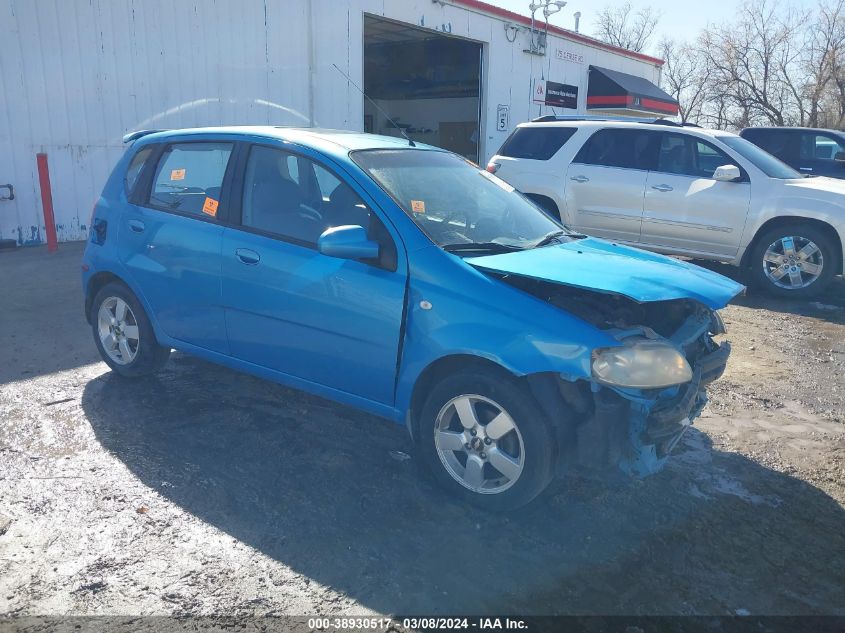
(685, 76)
(621, 26)
(755, 64)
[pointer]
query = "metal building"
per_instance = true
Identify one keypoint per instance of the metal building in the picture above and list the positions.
(76, 75)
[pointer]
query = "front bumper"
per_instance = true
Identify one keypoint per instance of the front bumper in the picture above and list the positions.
(635, 430)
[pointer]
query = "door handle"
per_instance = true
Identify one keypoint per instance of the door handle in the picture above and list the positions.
(806, 168)
(247, 256)
(663, 188)
(136, 225)
(580, 179)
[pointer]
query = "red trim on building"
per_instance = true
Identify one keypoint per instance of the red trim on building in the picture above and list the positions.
(628, 102)
(570, 35)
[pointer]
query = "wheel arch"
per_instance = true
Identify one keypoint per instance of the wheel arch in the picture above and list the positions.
(444, 366)
(546, 203)
(794, 219)
(95, 283)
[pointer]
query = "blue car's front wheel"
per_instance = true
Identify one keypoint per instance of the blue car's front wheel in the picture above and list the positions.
(485, 439)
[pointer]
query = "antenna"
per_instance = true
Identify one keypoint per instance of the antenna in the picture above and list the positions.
(378, 107)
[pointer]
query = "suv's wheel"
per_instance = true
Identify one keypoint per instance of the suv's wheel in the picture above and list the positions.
(123, 333)
(796, 260)
(484, 438)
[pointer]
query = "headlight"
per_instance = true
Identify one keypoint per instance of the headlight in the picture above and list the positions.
(641, 364)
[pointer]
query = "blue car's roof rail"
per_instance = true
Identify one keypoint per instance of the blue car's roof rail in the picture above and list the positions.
(134, 136)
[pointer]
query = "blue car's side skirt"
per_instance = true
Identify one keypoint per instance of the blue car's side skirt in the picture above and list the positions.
(370, 406)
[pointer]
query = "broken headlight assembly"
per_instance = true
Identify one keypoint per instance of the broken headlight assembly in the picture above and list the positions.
(641, 363)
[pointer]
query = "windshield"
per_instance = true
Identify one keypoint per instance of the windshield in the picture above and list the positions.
(459, 206)
(760, 158)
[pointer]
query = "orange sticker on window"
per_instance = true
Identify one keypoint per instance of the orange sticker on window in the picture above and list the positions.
(210, 207)
(177, 174)
(418, 206)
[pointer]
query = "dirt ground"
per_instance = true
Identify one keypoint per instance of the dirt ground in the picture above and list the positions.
(204, 491)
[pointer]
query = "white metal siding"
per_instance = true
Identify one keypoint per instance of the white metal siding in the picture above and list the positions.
(76, 75)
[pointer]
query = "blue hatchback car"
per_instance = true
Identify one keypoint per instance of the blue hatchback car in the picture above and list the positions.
(406, 282)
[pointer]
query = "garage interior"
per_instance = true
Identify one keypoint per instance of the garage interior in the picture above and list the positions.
(429, 85)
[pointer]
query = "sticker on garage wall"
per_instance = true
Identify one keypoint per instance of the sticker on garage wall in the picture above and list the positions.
(210, 207)
(177, 174)
(418, 206)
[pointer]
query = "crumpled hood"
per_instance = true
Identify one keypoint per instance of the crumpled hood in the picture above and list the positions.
(598, 265)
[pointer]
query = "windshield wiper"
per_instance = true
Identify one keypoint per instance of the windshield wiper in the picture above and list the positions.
(491, 247)
(555, 236)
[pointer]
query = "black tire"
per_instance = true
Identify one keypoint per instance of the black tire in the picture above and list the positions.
(825, 245)
(536, 435)
(150, 356)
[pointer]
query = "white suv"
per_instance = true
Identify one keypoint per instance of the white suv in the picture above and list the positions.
(683, 190)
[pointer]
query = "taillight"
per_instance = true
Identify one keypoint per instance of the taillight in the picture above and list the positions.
(493, 167)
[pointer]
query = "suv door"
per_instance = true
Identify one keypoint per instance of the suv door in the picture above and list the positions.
(333, 322)
(817, 153)
(606, 180)
(169, 240)
(685, 209)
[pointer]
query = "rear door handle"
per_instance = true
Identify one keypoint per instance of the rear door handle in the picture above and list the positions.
(136, 225)
(663, 188)
(247, 256)
(580, 179)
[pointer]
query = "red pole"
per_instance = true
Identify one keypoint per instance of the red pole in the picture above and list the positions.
(47, 202)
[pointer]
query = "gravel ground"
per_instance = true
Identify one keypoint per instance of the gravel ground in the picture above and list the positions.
(203, 491)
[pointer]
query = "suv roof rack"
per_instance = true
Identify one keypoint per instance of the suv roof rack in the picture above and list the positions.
(134, 136)
(589, 117)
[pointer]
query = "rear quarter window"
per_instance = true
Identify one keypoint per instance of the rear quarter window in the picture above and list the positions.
(536, 143)
(136, 165)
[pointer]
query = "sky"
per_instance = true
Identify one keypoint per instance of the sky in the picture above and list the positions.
(680, 19)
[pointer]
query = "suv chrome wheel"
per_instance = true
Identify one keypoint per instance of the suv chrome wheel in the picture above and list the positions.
(479, 444)
(118, 330)
(793, 262)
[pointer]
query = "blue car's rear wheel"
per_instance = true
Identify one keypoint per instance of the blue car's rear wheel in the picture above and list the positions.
(485, 439)
(123, 333)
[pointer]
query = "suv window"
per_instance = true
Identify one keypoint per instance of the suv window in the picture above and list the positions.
(136, 165)
(780, 143)
(298, 202)
(688, 156)
(612, 147)
(536, 143)
(819, 147)
(189, 177)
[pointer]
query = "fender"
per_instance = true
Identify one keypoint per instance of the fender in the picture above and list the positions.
(440, 324)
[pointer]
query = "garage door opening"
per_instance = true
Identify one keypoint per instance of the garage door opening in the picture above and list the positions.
(428, 83)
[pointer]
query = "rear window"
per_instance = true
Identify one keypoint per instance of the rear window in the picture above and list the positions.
(536, 143)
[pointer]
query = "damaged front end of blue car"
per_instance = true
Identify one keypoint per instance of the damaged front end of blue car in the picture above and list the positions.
(644, 392)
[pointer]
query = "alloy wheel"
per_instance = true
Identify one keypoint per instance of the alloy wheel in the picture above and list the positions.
(118, 330)
(793, 262)
(479, 444)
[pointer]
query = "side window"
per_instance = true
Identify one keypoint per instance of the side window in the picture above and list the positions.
(629, 149)
(687, 156)
(283, 202)
(189, 177)
(819, 147)
(782, 144)
(536, 143)
(136, 165)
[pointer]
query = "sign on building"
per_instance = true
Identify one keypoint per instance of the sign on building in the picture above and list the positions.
(561, 95)
(502, 118)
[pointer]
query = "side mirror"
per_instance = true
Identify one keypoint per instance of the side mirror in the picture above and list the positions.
(727, 173)
(347, 242)
(839, 157)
